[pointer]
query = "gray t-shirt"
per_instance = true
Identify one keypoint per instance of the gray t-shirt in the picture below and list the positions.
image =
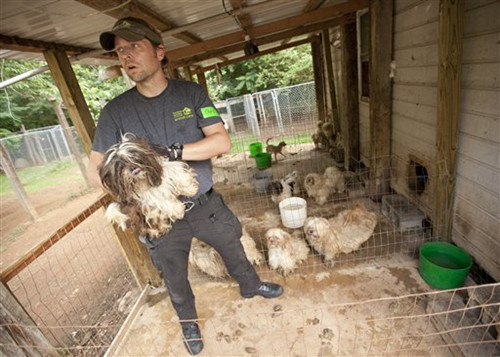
(174, 116)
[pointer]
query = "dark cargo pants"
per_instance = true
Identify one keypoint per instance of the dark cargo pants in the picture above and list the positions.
(212, 222)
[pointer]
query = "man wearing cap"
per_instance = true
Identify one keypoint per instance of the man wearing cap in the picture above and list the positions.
(179, 116)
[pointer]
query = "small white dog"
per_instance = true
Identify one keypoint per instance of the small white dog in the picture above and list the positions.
(320, 187)
(208, 260)
(343, 233)
(285, 251)
(284, 188)
(145, 186)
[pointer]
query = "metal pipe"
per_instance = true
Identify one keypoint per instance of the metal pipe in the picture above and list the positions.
(34, 72)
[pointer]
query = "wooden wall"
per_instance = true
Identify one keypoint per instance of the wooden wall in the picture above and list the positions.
(476, 220)
(415, 93)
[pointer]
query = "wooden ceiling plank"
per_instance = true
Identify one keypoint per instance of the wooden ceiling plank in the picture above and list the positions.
(14, 43)
(276, 26)
(262, 41)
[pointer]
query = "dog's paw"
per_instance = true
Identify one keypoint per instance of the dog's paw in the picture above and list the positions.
(116, 216)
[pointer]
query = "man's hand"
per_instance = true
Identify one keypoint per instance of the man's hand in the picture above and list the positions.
(172, 153)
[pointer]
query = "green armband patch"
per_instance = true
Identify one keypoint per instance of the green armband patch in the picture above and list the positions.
(209, 112)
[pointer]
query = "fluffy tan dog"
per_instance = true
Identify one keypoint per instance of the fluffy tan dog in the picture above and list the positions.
(205, 257)
(320, 187)
(285, 251)
(343, 233)
(145, 186)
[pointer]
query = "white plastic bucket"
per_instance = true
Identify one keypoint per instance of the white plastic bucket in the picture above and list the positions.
(293, 212)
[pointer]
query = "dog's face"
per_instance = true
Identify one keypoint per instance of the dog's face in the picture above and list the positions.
(290, 178)
(130, 167)
(275, 188)
(315, 228)
(311, 180)
(276, 238)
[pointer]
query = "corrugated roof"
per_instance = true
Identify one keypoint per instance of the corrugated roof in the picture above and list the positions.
(27, 27)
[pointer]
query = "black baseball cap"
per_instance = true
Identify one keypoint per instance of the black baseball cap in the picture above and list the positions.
(131, 29)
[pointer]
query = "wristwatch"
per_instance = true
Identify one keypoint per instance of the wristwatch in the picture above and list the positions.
(178, 150)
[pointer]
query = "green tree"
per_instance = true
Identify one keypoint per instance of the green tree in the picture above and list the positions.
(25, 103)
(280, 69)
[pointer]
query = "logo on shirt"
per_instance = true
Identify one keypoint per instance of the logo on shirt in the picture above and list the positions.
(185, 113)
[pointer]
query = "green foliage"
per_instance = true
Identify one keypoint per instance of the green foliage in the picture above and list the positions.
(25, 103)
(280, 69)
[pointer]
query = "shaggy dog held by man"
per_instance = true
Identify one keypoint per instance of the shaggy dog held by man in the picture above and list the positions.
(146, 186)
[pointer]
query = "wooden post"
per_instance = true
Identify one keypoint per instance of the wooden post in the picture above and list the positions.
(16, 183)
(451, 25)
(138, 259)
(319, 78)
(202, 80)
(349, 122)
(327, 51)
(66, 81)
(69, 138)
(19, 335)
(381, 18)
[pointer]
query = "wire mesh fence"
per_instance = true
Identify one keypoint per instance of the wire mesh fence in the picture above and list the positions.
(339, 314)
(79, 291)
(76, 286)
(39, 147)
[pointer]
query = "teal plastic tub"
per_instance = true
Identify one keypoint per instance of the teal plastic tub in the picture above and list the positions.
(443, 265)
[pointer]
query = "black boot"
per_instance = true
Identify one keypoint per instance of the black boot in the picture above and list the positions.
(267, 290)
(192, 337)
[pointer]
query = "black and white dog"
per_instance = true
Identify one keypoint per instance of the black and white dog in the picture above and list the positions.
(284, 188)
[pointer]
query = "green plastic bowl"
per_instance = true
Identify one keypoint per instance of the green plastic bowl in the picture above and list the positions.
(443, 265)
(255, 148)
(263, 160)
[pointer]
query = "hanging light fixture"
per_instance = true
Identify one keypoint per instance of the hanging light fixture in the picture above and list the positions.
(250, 47)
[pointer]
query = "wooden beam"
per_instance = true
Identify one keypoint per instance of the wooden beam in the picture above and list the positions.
(264, 40)
(138, 259)
(30, 256)
(319, 15)
(381, 18)
(14, 180)
(120, 9)
(243, 19)
(202, 80)
(261, 53)
(451, 28)
(319, 78)
(65, 79)
(66, 130)
(330, 80)
(19, 334)
(313, 5)
(14, 43)
(349, 93)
